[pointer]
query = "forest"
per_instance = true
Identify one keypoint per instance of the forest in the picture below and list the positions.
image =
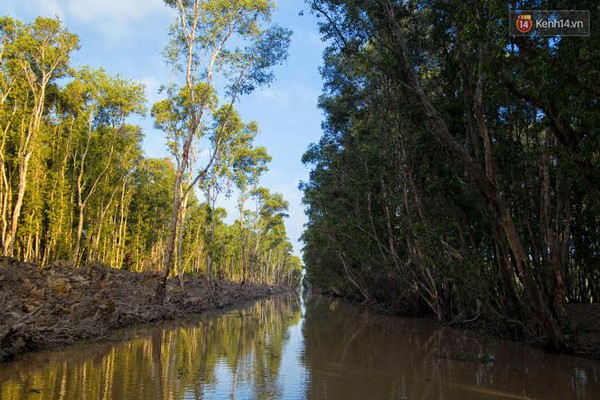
(458, 175)
(448, 169)
(75, 184)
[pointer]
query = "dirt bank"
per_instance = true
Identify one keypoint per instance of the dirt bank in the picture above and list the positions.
(42, 308)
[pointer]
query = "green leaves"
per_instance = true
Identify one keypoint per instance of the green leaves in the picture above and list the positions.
(32, 57)
(109, 100)
(269, 49)
(393, 211)
(40, 50)
(73, 180)
(248, 165)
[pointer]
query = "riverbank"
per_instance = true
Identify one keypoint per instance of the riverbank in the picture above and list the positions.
(581, 330)
(44, 308)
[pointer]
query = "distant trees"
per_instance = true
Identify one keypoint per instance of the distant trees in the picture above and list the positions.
(450, 178)
(75, 185)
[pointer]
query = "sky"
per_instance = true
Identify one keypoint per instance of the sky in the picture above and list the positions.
(127, 37)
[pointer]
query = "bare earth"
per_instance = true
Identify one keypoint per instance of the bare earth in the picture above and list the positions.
(42, 308)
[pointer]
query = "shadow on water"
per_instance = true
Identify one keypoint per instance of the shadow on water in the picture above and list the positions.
(353, 354)
(281, 348)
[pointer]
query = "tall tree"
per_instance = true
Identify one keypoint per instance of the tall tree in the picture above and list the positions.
(33, 57)
(449, 165)
(100, 105)
(248, 166)
(203, 48)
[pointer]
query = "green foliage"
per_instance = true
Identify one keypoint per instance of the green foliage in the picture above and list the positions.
(76, 186)
(215, 44)
(395, 213)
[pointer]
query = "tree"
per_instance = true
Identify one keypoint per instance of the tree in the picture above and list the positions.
(201, 49)
(440, 184)
(74, 184)
(268, 226)
(33, 57)
(150, 211)
(100, 105)
(248, 166)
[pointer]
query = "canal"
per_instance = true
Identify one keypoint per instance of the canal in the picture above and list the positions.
(283, 348)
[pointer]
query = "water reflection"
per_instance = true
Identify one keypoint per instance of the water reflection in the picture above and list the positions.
(280, 349)
(352, 354)
(234, 356)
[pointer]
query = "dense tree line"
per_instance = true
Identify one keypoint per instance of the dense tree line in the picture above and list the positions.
(458, 174)
(74, 182)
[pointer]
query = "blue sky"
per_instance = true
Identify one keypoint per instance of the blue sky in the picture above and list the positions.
(127, 37)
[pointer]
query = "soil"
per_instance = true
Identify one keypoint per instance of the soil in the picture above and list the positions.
(56, 305)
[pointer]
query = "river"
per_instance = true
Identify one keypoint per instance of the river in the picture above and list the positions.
(282, 348)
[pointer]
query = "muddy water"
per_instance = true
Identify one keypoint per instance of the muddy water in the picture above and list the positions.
(282, 349)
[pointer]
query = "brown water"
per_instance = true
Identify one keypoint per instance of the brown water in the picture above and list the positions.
(281, 349)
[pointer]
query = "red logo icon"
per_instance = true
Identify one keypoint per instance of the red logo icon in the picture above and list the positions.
(524, 23)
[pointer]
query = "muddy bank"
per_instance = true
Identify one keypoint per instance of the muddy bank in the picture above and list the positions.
(42, 308)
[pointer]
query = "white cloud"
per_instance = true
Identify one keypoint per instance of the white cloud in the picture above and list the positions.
(32, 8)
(267, 93)
(114, 12)
(117, 18)
(111, 17)
(152, 84)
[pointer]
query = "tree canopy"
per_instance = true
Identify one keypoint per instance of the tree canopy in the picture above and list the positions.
(457, 174)
(75, 184)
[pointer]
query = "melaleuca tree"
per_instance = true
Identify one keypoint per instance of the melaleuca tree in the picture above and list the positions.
(34, 57)
(448, 168)
(204, 52)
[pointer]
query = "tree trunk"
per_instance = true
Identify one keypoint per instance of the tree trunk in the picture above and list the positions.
(489, 192)
(9, 242)
(211, 244)
(242, 242)
(559, 291)
(168, 256)
(180, 239)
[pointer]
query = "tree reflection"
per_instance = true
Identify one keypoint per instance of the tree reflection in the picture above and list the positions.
(351, 353)
(264, 351)
(183, 362)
